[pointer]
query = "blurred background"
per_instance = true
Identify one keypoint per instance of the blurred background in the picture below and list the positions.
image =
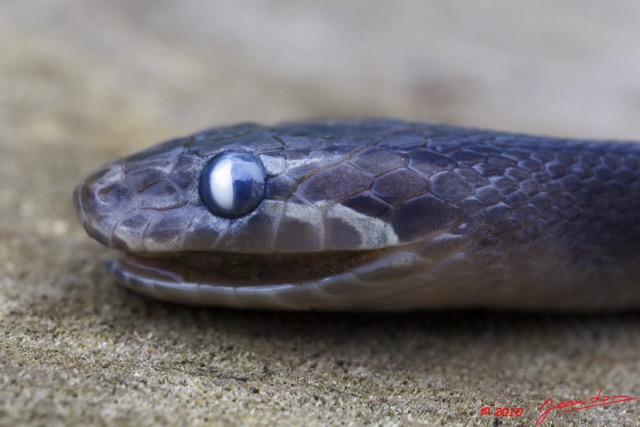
(148, 69)
(85, 81)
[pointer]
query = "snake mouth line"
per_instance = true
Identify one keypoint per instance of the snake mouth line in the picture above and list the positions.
(234, 269)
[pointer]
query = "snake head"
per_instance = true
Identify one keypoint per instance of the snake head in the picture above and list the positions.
(248, 208)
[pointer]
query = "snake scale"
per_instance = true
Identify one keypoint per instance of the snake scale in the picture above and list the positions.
(373, 214)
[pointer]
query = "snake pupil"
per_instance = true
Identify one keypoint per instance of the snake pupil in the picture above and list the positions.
(232, 184)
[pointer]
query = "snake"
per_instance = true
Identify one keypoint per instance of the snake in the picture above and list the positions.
(372, 215)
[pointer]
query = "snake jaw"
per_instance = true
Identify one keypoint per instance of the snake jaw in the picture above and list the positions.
(176, 279)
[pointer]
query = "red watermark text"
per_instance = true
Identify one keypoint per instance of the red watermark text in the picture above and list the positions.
(578, 404)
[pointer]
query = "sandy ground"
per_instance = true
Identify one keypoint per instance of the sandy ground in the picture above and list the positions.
(82, 82)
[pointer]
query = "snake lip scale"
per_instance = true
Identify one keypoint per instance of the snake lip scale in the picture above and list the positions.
(373, 214)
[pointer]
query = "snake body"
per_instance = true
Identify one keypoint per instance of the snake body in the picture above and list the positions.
(373, 215)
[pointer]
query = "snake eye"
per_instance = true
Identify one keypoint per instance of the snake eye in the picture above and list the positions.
(232, 184)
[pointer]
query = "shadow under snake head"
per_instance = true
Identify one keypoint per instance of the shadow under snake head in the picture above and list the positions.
(373, 215)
